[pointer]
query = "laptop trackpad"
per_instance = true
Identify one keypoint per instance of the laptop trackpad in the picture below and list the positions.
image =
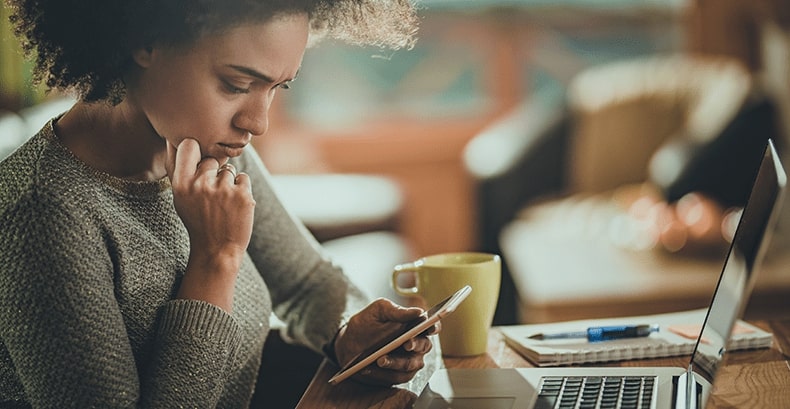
(472, 403)
(497, 388)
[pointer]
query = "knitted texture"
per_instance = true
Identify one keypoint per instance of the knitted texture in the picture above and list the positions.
(90, 264)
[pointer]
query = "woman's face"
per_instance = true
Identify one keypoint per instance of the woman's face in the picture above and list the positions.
(219, 90)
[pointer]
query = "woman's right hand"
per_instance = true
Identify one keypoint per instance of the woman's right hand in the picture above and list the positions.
(375, 322)
(216, 206)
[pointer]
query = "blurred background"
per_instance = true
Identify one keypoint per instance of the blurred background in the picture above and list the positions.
(505, 107)
(410, 114)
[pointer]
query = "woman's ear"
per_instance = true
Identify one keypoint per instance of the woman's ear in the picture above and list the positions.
(143, 56)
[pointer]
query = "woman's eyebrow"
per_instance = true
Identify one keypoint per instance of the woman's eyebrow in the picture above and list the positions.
(257, 74)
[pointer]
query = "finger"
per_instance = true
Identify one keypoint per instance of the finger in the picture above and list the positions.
(435, 329)
(243, 180)
(419, 345)
(208, 167)
(227, 173)
(373, 375)
(406, 363)
(170, 161)
(187, 159)
(389, 311)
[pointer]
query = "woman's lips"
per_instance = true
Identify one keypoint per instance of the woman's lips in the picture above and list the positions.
(233, 149)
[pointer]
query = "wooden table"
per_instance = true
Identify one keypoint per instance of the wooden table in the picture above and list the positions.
(750, 379)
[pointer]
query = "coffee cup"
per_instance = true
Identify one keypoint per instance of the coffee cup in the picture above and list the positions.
(434, 278)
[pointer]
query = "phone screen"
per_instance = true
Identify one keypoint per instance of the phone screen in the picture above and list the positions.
(400, 334)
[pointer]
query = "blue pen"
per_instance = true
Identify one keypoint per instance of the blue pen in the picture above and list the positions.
(605, 333)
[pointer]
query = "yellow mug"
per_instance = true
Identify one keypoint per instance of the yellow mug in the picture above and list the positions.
(465, 331)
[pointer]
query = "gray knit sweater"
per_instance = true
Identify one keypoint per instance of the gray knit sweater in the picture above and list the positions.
(89, 265)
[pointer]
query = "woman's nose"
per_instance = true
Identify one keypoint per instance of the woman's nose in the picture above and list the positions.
(254, 118)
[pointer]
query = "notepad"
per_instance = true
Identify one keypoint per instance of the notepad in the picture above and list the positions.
(676, 337)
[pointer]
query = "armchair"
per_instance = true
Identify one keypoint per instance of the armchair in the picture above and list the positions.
(520, 157)
(555, 207)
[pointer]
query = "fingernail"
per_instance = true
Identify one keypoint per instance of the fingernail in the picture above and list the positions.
(384, 362)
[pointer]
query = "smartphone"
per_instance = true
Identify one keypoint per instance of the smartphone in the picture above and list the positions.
(403, 333)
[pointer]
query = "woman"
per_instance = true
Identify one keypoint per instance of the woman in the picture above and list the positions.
(143, 249)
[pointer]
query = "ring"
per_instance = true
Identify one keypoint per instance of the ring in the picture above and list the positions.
(227, 167)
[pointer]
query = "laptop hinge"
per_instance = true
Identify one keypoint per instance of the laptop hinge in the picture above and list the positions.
(688, 391)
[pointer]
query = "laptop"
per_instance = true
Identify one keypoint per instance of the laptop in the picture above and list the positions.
(634, 387)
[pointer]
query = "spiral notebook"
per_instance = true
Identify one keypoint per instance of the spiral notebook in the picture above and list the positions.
(677, 335)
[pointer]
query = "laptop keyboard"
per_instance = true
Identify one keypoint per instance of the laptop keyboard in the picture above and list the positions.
(596, 392)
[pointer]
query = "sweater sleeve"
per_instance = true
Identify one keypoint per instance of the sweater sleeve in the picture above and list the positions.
(309, 293)
(65, 333)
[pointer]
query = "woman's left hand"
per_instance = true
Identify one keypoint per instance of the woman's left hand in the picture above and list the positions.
(376, 321)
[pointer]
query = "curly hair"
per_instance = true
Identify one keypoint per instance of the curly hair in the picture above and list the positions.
(86, 45)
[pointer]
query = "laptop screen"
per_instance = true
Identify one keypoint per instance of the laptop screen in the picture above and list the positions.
(748, 246)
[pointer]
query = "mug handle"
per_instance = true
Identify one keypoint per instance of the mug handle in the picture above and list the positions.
(405, 268)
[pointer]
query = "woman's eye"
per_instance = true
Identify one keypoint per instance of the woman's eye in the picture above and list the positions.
(236, 90)
(285, 85)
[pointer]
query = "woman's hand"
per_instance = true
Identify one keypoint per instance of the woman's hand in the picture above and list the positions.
(216, 206)
(374, 323)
